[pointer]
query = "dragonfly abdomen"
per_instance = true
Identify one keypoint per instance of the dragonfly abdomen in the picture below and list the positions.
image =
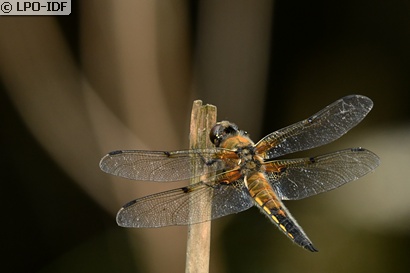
(267, 201)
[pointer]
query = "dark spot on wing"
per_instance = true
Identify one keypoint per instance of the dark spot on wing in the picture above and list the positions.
(115, 153)
(210, 162)
(129, 204)
(186, 189)
(358, 149)
(312, 160)
(167, 154)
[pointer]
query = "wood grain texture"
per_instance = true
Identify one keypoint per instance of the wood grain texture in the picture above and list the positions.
(203, 117)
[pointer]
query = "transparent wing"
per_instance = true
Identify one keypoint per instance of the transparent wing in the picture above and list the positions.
(325, 126)
(300, 178)
(172, 207)
(166, 166)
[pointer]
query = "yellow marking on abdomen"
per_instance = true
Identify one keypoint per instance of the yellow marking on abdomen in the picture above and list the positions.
(259, 201)
(274, 218)
(264, 196)
(282, 227)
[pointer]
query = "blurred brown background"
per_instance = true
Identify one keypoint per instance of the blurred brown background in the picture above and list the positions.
(123, 75)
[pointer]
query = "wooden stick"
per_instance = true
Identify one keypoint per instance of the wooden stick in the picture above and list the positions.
(199, 235)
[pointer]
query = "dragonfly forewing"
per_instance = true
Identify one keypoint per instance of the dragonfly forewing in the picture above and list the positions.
(166, 166)
(324, 127)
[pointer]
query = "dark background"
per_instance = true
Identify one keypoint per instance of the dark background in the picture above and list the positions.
(264, 65)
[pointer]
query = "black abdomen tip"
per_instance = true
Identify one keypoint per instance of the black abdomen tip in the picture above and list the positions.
(310, 247)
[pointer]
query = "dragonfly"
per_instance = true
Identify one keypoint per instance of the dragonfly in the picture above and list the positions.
(237, 174)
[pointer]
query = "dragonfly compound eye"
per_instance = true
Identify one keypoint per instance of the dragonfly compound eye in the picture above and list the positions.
(221, 130)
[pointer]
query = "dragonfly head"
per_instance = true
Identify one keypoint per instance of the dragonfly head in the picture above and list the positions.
(221, 131)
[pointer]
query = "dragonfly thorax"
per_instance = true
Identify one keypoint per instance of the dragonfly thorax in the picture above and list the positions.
(226, 135)
(249, 162)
